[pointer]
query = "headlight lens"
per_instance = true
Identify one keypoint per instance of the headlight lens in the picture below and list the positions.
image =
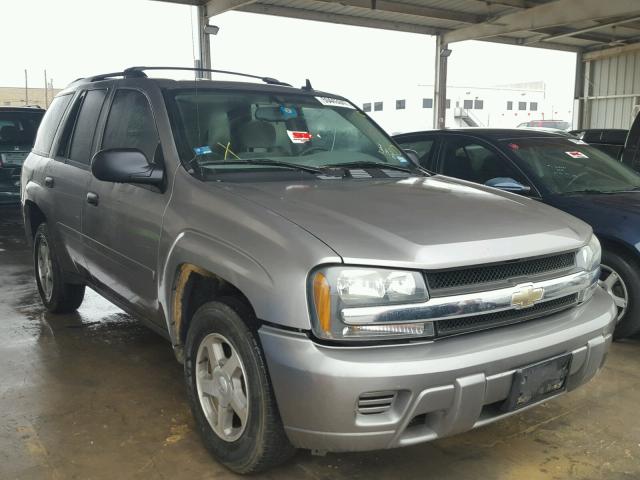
(590, 255)
(589, 258)
(336, 288)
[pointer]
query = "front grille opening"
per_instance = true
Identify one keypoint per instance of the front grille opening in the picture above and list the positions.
(462, 277)
(456, 326)
(373, 403)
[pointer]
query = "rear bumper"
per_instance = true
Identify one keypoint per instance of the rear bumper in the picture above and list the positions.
(441, 388)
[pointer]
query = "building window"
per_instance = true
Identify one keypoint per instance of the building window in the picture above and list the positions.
(366, 107)
(427, 103)
(522, 105)
(400, 104)
(377, 107)
(467, 104)
(478, 104)
(533, 106)
(448, 103)
(509, 105)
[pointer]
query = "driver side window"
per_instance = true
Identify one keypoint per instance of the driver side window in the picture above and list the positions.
(131, 124)
(470, 160)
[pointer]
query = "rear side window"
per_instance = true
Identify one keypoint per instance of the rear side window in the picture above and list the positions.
(86, 122)
(50, 123)
(131, 124)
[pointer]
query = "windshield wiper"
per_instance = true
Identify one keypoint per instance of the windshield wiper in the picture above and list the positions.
(264, 161)
(379, 165)
(588, 191)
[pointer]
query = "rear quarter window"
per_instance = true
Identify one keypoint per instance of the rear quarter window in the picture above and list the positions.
(50, 123)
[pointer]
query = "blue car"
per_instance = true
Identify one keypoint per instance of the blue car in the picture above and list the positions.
(559, 170)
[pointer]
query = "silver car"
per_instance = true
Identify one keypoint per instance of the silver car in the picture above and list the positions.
(321, 289)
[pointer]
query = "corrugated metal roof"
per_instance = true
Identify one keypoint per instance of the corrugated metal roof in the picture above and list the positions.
(443, 16)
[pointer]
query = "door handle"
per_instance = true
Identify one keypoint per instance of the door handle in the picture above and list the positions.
(48, 182)
(92, 198)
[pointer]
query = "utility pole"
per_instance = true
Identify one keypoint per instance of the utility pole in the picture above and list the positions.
(26, 87)
(46, 90)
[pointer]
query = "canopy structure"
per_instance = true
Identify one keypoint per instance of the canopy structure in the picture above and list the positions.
(582, 26)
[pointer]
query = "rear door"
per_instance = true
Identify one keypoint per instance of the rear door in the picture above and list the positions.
(631, 153)
(68, 175)
(123, 221)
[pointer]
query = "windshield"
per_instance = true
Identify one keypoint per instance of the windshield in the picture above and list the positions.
(225, 130)
(19, 128)
(571, 166)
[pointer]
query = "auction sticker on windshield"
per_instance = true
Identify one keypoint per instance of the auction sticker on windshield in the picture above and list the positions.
(576, 154)
(334, 102)
(299, 137)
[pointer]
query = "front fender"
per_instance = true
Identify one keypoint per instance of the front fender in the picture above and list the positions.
(275, 285)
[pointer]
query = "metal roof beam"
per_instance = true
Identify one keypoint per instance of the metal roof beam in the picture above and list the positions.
(336, 18)
(580, 33)
(553, 14)
(410, 9)
(216, 7)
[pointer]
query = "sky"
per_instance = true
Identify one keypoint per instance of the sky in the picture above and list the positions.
(74, 38)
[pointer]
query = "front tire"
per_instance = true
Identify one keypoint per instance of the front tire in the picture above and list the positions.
(620, 277)
(57, 295)
(229, 389)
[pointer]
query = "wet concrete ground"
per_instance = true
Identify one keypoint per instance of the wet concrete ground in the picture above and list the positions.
(97, 396)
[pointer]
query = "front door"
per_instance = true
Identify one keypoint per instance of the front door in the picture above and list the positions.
(122, 222)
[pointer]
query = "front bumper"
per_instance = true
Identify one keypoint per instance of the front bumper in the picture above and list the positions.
(441, 388)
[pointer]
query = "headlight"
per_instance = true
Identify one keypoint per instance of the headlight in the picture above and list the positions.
(589, 258)
(590, 255)
(334, 289)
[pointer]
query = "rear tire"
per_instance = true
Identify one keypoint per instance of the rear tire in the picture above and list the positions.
(620, 277)
(57, 295)
(248, 436)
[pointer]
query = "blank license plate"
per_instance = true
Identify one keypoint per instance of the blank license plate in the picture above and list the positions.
(539, 381)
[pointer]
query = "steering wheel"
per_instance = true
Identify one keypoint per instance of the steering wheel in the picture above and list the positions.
(576, 178)
(314, 149)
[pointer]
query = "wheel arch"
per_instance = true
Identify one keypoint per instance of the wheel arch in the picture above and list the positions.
(33, 217)
(620, 247)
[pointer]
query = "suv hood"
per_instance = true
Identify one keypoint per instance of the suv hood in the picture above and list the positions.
(418, 222)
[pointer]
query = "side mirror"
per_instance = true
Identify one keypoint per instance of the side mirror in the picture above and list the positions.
(413, 155)
(507, 184)
(125, 165)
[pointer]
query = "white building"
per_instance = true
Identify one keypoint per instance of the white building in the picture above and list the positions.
(498, 106)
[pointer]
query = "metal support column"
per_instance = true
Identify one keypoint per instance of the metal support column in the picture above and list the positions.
(204, 42)
(440, 84)
(579, 100)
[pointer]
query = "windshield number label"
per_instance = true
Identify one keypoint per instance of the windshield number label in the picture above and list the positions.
(576, 154)
(334, 102)
(299, 137)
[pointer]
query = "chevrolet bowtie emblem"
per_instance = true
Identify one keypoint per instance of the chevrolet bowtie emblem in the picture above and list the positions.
(526, 295)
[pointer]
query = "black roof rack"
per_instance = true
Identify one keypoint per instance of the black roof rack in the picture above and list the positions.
(139, 72)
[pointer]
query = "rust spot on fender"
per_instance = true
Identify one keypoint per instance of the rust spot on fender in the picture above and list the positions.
(178, 294)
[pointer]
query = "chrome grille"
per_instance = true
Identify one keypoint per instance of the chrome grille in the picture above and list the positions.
(500, 272)
(372, 403)
(474, 323)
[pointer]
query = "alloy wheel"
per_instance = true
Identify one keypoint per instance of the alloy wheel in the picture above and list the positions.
(613, 283)
(222, 387)
(45, 268)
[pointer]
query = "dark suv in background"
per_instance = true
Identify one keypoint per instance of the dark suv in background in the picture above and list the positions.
(18, 127)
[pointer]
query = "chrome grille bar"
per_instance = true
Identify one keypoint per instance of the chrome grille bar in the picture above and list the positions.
(459, 306)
